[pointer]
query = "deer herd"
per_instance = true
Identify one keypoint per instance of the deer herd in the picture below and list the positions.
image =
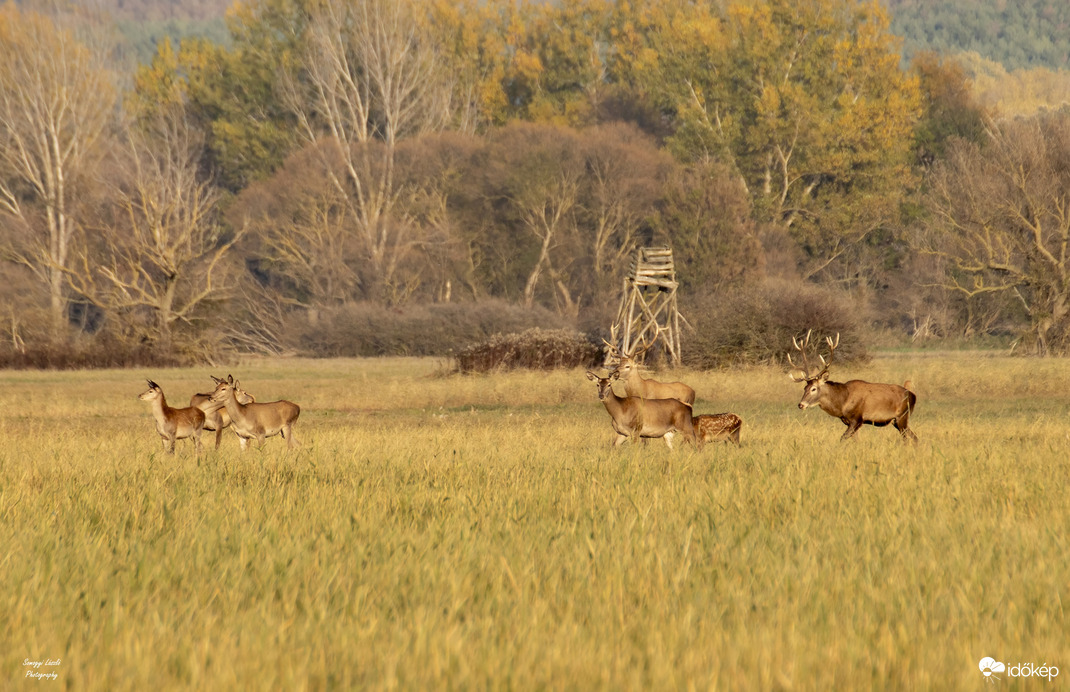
(228, 405)
(657, 409)
(648, 409)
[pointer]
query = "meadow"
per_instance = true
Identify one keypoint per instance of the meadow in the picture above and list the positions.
(437, 531)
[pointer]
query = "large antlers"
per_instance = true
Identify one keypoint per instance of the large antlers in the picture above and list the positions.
(806, 372)
(832, 351)
(638, 350)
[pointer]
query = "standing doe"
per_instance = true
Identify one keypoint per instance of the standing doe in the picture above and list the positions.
(635, 416)
(854, 402)
(216, 417)
(173, 423)
(257, 421)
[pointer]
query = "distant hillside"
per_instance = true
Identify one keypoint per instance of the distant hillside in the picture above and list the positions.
(144, 23)
(152, 10)
(1018, 34)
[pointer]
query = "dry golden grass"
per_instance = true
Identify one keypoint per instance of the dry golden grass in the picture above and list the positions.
(439, 532)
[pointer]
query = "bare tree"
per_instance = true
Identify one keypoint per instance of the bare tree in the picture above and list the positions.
(1002, 221)
(625, 173)
(304, 231)
(56, 101)
(537, 171)
(368, 76)
(166, 252)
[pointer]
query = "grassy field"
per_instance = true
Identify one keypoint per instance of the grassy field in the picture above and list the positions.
(478, 532)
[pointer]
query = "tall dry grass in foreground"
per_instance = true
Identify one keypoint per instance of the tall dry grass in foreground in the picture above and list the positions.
(440, 532)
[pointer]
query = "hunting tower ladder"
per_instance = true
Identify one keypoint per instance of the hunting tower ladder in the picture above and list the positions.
(648, 311)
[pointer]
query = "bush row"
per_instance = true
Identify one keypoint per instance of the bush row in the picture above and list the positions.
(752, 324)
(438, 329)
(534, 349)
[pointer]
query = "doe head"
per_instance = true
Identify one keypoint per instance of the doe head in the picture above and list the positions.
(605, 384)
(222, 389)
(153, 392)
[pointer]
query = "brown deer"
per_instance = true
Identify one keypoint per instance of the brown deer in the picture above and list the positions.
(257, 421)
(216, 417)
(173, 423)
(854, 402)
(633, 416)
(636, 385)
(717, 427)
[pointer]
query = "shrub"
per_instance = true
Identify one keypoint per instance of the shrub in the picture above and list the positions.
(755, 324)
(369, 329)
(82, 352)
(535, 349)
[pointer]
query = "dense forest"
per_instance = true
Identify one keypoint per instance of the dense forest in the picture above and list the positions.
(1018, 35)
(1015, 33)
(395, 176)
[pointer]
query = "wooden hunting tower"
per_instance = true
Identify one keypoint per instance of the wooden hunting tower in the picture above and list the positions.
(648, 311)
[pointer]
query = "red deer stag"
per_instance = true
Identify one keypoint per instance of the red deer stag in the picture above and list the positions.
(636, 385)
(257, 421)
(634, 416)
(717, 427)
(854, 402)
(216, 417)
(173, 423)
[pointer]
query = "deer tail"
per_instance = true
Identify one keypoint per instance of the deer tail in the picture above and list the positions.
(911, 397)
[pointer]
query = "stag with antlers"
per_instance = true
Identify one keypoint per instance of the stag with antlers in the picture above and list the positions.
(854, 402)
(627, 368)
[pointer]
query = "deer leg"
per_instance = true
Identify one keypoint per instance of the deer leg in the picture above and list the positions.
(620, 440)
(169, 444)
(197, 442)
(906, 433)
(288, 435)
(218, 435)
(852, 428)
(668, 439)
(243, 441)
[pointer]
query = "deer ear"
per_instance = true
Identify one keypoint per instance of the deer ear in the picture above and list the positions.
(614, 375)
(591, 376)
(824, 377)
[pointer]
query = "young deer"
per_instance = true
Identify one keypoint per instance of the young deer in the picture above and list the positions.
(634, 416)
(216, 417)
(717, 427)
(173, 423)
(855, 402)
(257, 421)
(636, 385)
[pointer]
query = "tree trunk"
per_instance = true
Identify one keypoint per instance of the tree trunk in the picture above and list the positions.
(533, 278)
(58, 306)
(165, 315)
